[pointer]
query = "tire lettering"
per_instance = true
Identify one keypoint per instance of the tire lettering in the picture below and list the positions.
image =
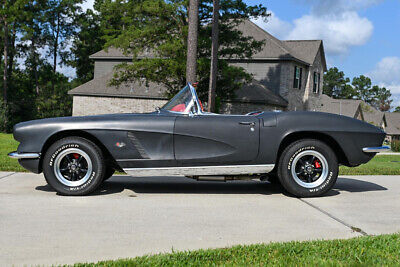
(59, 150)
(297, 152)
(84, 185)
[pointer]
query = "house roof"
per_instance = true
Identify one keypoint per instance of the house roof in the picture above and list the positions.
(393, 123)
(303, 51)
(372, 115)
(307, 50)
(257, 93)
(116, 53)
(345, 107)
(99, 87)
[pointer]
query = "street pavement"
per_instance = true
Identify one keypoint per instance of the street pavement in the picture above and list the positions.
(130, 217)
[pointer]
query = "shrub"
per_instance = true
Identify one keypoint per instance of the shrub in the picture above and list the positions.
(395, 145)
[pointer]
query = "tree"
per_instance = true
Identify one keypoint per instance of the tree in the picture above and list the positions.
(362, 87)
(214, 56)
(192, 41)
(335, 83)
(381, 98)
(397, 109)
(155, 35)
(10, 13)
(86, 42)
(33, 37)
(59, 26)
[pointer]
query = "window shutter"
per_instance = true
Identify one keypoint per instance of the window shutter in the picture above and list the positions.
(319, 82)
(294, 78)
(301, 73)
(315, 83)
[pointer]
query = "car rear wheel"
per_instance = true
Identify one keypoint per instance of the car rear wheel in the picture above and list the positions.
(308, 168)
(74, 166)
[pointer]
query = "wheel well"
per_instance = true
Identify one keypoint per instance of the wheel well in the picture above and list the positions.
(293, 137)
(60, 135)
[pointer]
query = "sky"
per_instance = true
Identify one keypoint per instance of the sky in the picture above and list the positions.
(361, 37)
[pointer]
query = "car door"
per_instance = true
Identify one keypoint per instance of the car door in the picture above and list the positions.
(216, 139)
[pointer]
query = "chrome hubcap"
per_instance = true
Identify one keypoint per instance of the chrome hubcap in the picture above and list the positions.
(309, 169)
(73, 167)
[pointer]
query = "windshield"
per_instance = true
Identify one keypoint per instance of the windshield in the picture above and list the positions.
(182, 102)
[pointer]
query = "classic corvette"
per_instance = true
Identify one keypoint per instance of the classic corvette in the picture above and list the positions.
(301, 150)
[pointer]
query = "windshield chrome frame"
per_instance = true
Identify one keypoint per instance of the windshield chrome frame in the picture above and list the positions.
(194, 102)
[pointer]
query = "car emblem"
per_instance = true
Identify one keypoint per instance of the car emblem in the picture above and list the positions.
(120, 144)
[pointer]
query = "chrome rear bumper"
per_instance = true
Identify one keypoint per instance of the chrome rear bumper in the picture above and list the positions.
(16, 155)
(376, 149)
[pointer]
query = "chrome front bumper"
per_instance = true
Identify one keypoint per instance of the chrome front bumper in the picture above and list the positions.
(376, 149)
(16, 155)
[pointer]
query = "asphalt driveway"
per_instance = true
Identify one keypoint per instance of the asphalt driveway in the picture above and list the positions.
(135, 216)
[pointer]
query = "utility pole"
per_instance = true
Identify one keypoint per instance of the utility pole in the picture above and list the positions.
(214, 57)
(191, 63)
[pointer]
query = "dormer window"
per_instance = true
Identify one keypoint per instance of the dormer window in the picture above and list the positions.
(297, 77)
(317, 78)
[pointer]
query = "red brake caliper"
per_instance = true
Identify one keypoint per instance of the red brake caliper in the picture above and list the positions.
(75, 155)
(317, 165)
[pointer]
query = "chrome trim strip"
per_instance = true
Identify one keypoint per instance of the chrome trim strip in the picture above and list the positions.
(16, 155)
(376, 149)
(201, 170)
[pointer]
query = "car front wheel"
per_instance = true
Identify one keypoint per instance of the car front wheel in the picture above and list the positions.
(308, 168)
(74, 166)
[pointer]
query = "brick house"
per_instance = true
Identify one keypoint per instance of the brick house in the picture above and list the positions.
(287, 75)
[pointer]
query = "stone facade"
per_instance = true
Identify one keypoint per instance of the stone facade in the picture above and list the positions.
(89, 105)
(279, 77)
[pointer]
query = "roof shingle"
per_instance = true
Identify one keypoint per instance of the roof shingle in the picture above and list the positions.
(345, 107)
(393, 123)
(99, 87)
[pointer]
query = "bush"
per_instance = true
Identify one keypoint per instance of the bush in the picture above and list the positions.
(395, 145)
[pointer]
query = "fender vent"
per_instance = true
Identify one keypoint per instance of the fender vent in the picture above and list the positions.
(138, 145)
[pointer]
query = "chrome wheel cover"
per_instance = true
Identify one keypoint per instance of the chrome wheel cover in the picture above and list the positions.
(71, 171)
(304, 171)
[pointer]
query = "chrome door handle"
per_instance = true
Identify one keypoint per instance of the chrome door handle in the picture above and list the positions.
(250, 123)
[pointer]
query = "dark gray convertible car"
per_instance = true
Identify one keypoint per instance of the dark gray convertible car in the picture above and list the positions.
(301, 150)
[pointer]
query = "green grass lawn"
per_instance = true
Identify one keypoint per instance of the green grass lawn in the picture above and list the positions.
(381, 250)
(7, 145)
(380, 165)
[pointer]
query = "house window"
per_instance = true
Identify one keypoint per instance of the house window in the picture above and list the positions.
(297, 77)
(317, 78)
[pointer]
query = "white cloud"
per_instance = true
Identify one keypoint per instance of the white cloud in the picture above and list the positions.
(336, 22)
(340, 32)
(274, 25)
(387, 73)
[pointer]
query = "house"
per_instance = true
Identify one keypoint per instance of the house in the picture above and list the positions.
(393, 125)
(345, 107)
(287, 75)
(374, 116)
